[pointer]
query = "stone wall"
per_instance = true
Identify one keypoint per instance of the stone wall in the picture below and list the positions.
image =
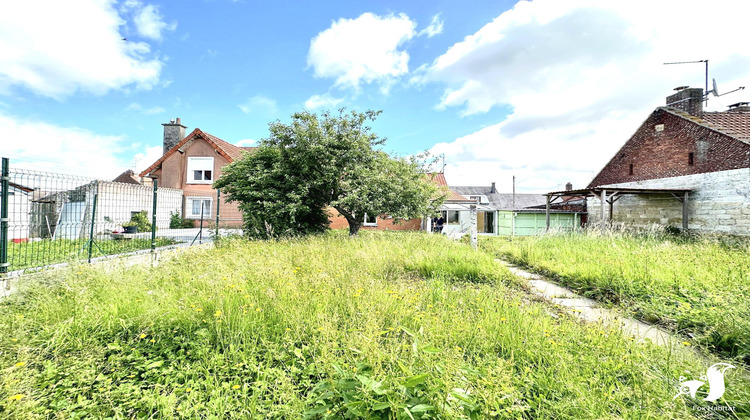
(720, 203)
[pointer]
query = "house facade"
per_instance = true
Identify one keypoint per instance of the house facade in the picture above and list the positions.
(679, 146)
(191, 163)
(515, 214)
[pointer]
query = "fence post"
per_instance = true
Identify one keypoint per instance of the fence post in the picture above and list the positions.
(218, 205)
(4, 217)
(91, 230)
(153, 219)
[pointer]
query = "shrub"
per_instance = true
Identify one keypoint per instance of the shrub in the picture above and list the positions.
(177, 222)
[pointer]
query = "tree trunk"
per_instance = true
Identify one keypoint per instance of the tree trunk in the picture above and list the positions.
(354, 224)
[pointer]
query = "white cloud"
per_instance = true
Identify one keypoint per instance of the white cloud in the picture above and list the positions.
(142, 160)
(580, 77)
(149, 23)
(246, 143)
(55, 48)
(322, 101)
(434, 28)
(362, 50)
(260, 105)
(52, 148)
(136, 107)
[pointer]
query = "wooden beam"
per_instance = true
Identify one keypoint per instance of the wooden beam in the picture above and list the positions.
(685, 212)
(547, 211)
(603, 200)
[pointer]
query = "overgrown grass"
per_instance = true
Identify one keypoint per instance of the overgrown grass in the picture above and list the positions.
(379, 326)
(699, 287)
(47, 251)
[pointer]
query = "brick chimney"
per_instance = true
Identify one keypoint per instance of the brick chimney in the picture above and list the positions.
(687, 99)
(493, 190)
(174, 131)
(568, 187)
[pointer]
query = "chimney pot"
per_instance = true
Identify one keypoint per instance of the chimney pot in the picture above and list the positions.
(689, 100)
(568, 186)
(493, 190)
(174, 132)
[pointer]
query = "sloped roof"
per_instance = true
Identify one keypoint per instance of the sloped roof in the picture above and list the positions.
(439, 178)
(127, 177)
(503, 201)
(228, 150)
(735, 124)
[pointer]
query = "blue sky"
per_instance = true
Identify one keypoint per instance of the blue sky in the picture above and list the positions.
(546, 90)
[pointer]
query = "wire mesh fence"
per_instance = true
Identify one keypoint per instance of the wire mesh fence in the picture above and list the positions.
(48, 218)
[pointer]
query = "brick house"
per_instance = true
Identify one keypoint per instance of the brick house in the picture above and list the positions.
(385, 222)
(192, 163)
(680, 146)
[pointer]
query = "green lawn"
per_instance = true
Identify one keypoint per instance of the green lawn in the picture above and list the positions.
(48, 251)
(700, 288)
(399, 325)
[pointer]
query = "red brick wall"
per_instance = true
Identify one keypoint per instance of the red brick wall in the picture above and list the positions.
(662, 154)
(339, 222)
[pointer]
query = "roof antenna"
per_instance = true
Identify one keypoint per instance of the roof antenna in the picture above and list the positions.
(705, 100)
(715, 90)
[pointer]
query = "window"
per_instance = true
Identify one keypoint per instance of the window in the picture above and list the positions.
(193, 207)
(452, 217)
(691, 160)
(200, 170)
(370, 221)
(630, 171)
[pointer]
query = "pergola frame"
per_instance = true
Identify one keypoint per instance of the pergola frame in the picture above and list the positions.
(611, 194)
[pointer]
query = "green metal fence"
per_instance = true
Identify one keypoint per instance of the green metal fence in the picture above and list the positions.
(48, 218)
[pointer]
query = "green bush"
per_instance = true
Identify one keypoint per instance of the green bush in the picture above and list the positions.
(141, 220)
(177, 222)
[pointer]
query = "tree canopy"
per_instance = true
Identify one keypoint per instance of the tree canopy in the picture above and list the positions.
(285, 187)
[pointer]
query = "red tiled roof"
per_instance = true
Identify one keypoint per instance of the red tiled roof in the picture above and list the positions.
(735, 124)
(439, 178)
(228, 150)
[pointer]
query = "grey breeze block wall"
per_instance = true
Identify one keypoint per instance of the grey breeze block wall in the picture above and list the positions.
(719, 203)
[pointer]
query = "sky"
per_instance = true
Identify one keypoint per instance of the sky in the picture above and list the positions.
(543, 90)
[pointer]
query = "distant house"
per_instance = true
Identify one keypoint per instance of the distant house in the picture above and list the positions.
(385, 222)
(509, 214)
(19, 211)
(681, 154)
(192, 163)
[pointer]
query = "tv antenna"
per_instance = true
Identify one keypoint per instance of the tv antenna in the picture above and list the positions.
(705, 100)
(715, 90)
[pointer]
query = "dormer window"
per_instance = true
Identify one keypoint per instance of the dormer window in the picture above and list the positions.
(200, 170)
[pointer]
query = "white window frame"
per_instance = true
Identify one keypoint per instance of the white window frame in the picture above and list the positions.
(200, 164)
(189, 207)
(372, 223)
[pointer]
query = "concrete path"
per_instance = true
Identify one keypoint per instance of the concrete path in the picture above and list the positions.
(589, 309)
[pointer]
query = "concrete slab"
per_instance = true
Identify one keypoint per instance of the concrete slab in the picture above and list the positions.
(589, 309)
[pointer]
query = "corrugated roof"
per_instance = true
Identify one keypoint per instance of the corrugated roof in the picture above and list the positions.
(503, 201)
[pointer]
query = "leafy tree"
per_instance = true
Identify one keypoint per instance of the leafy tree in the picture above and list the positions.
(317, 162)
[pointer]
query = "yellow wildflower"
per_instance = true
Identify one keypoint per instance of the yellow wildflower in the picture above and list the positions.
(19, 364)
(16, 397)
(236, 387)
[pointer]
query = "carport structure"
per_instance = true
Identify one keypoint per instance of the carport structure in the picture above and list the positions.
(610, 195)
